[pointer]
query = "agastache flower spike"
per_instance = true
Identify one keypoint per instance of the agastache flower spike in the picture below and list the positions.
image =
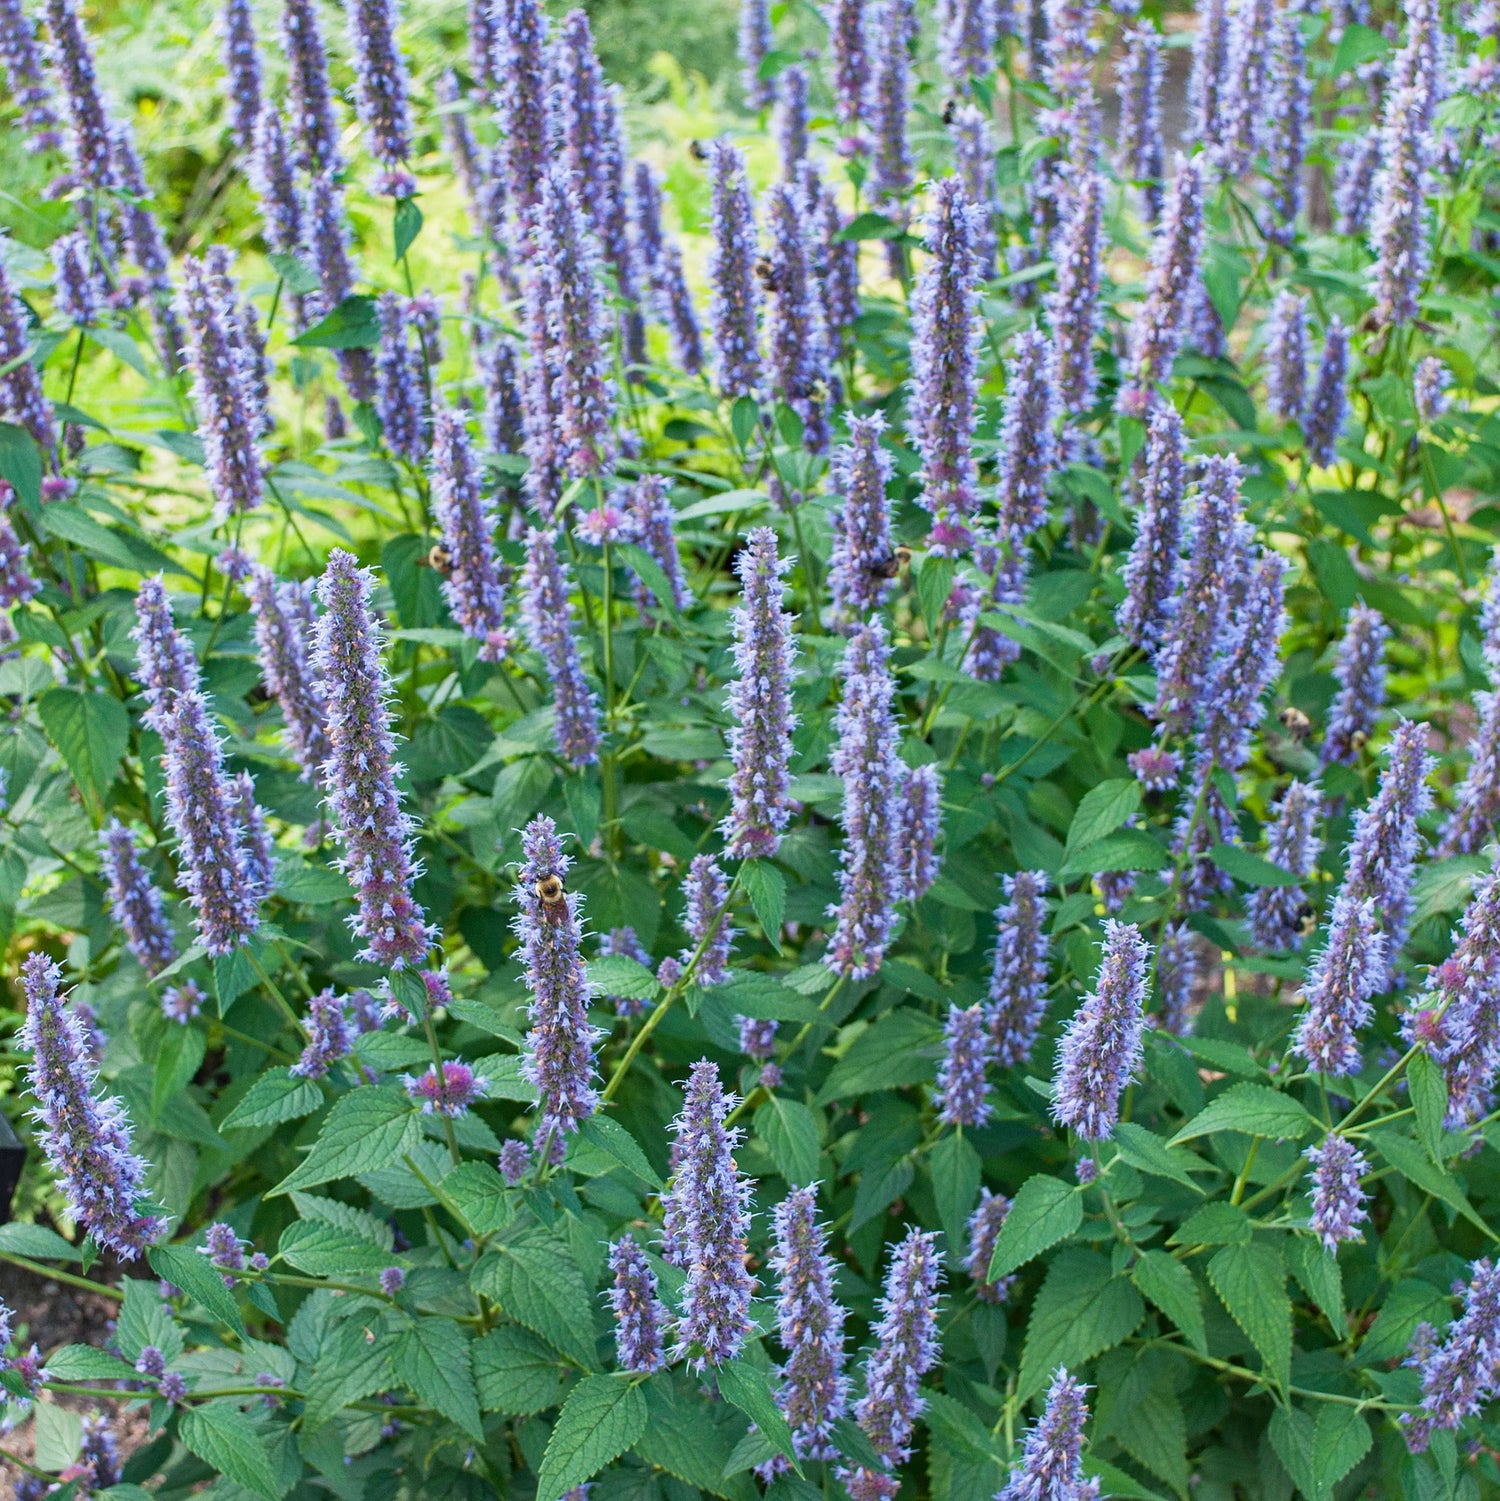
(1476, 802)
(849, 45)
(650, 509)
(559, 1056)
(735, 307)
(1276, 912)
(944, 364)
(1398, 233)
(270, 170)
(891, 28)
(1175, 249)
(1027, 438)
(89, 137)
(1018, 974)
(791, 119)
(1152, 569)
(361, 771)
(640, 1316)
(1346, 973)
(814, 1391)
(706, 922)
(864, 758)
(1329, 403)
(21, 62)
(313, 122)
(966, 41)
(77, 279)
(21, 395)
(1461, 1373)
(242, 67)
(400, 384)
(548, 618)
(466, 514)
(921, 821)
(201, 804)
(330, 1035)
(1051, 1468)
(522, 105)
(711, 1203)
(1251, 28)
(799, 341)
(1138, 150)
(860, 574)
(1247, 664)
(1354, 181)
(1208, 83)
(1287, 110)
(984, 1231)
(447, 1093)
(380, 92)
(16, 583)
(1073, 304)
(760, 703)
(134, 900)
(1286, 357)
(1176, 976)
(1429, 383)
(906, 1347)
(86, 1137)
(1360, 673)
(1101, 1049)
(284, 618)
(1338, 1198)
(755, 42)
(968, 1047)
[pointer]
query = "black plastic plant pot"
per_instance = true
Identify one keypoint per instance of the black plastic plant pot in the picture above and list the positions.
(12, 1160)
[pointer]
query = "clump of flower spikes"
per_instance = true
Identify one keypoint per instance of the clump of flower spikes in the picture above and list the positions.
(86, 1137)
(1459, 1375)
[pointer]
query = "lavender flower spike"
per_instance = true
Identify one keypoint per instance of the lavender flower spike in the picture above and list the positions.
(966, 41)
(1360, 673)
(892, 24)
(1398, 233)
(313, 122)
(734, 310)
(1028, 441)
(1346, 973)
(1073, 303)
(134, 901)
(560, 1045)
(1102, 1047)
(21, 62)
(1051, 1468)
(21, 394)
(1018, 975)
(1138, 149)
(1338, 1199)
(650, 508)
(380, 92)
(710, 1202)
(330, 1035)
(201, 805)
(86, 1137)
(921, 822)
(984, 1231)
(466, 514)
(865, 759)
(361, 772)
(522, 107)
(1151, 571)
(640, 1316)
(861, 572)
(799, 339)
(814, 1392)
(284, 618)
(89, 139)
(1277, 912)
(791, 119)
(706, 921)
(242, 67)
(905, 1348)
(960, 1080)
(760, 703)
(1286, 357)
(849, 44)
(1329, 403)
(1476, 802)
(755, 45)
(1461, 1373)
(944, 364)
(548, 618)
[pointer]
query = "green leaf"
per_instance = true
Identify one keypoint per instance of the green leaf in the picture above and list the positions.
(369, 1128)
(1102, 810)
(185, 1268)
(517, 1373)
(601, 1419)
(1318, 1272)
(898, 1049)
(350, 1366)
(1358, 44)
(744, 418)
(91, 732)
(353, 324)
(126, 550)
(227, 1441)
(615, 1141)
(21, 462)
(869, 226)
(1145, 1150)
(692, 1442)
(1168, 1284)
(1216, 1224)
(408, 225)
(360, 1223)
(277, 1095)
(37, 1242)
(233, 976)
(85, 1363)
(723, 503)
(59, 1434)
(1416, 1167)
(1429, 1098)
(650, 573)
(432, 1358)
(323, 1250)
(955, 1169)
(1082, 1309)
(747, 1388)
(177, 1059)
(618, 974)
(300, 278)
(1341, 1438)
(790, 1132)
(1126, 849)
(1250, 869)
(766, 888)
(1045, 1211)
(1255, 1109)
(934, 585)
(538, 1284)
(479, 1194)
(1251, 1283)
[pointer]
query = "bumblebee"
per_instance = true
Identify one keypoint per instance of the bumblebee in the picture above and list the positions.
(440, 560)
(553, 897)
(1295, 722)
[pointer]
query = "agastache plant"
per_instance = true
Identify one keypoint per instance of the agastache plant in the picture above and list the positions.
(1073, 304)
(755, 40)
(967, 1049)
(1286, 357)
(314, 125)
(522, 110)
(1051, 1467)
(798, 337)
(1338, 1197)
(74, 67)
(706, 920)
(1138, 149)
(1462, 1372)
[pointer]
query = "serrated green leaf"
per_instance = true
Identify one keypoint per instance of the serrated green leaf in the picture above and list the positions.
(37, 1242)
(790, 1133)
(432, 1357)
(1082, 1309)
(955, 1169)
(407, 226)
(537, 1283)
(1215, 1224)
(91, 732)
(85, 1363)
(517, 1373)
(602, 1418)
(353, 324)
(185, 1268)
(350, 1367)
(618, 974)
(1168, 1284)
(1417, 1167)
(1101, 810)
(1318, 1273)
(1250, 869)
(479, 1193)
(277, 1095)
(1145, 1150)
(1255, 1109)
(225, 1439)
(369, 1128)
(692, 1442)
(766, 888)
(611, 1138)
(21, 462)
(1045, 1211)
(747, 1388)
(1251, 1283)
(324, 1250)
(1429, 1098)
(900, 1048)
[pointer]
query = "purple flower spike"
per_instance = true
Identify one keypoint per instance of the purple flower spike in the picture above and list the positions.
(467, 516)
(560, 1045)
(1286, 357)
(330, 1035)
(906, 1347)
(201, 804)
(242, 67)
(548, 618)
(522, 105)
(1251, 29)
(710, 1210)
(799, 340)
(361, 772)
(1027, 438)
(514, 1161)
(72, 57)
(1248, 662)
(1288, 109)
(400, 380)
(653, 519)
(449, 1093)
(181, 1003)
(21, 394)
(1430, 382)
(757, 1038)
(1101, 1049)
(640, 1316)
(1151, 572)
(1360, 673)
(1208, 83)
(1461, 1373)
(791, 119)
(1277, 913)
(1476, 803)
(1138, 149)
(77, 279)
(380, 93)
(892, 29)
(865, 759)
(849, 47)
(706, 921)
(1398, 230)
(1338, 1198)
(134, 901)
(1073, 304)
(1157, 332)
(272, 175)
(285, 615)
(1329, 403)
(968, 1047)
(1347, 972)
(734, 311)
(944, 359)
(755, 41)
(21, 62)
(1051, 1467)
(86, 1137)
(966, 41)
(861, 573)
(1177, 965)
(974, 163)
(313, 122)
(814, 1392)
(921, 822)
(760, 703)
(984, 1231)
(1018, 975)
